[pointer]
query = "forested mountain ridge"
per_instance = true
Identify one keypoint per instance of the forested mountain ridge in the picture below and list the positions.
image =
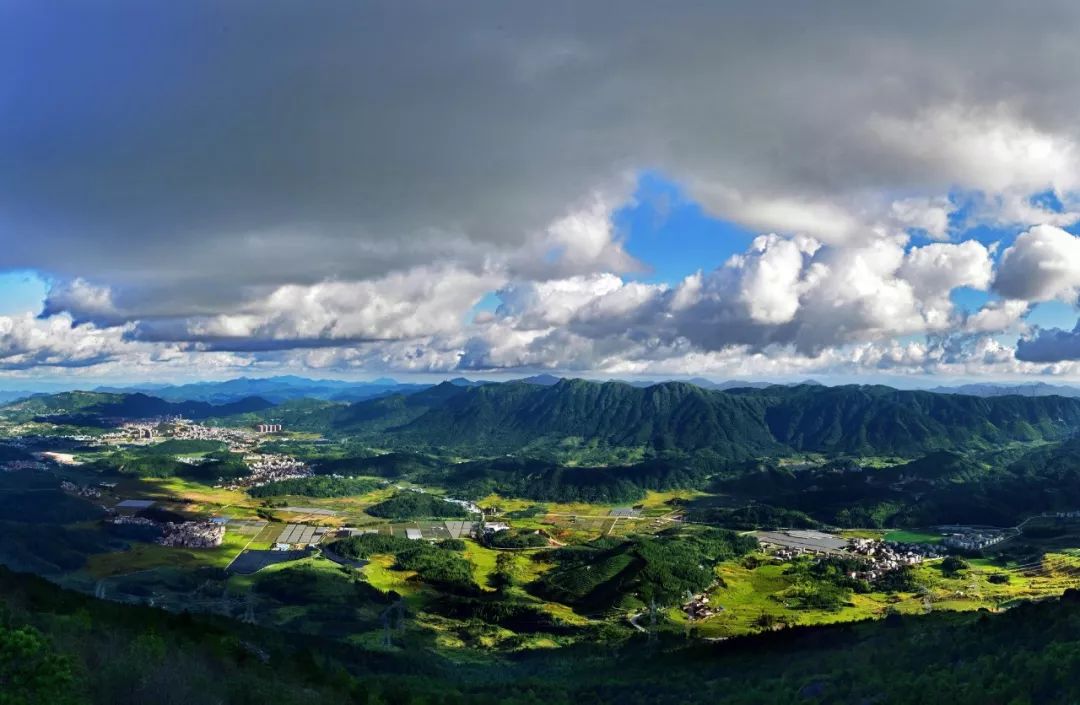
(138, 405)
(878, 419)
(671, 416)
(734, 423)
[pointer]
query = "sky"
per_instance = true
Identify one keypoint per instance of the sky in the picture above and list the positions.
(765, 190)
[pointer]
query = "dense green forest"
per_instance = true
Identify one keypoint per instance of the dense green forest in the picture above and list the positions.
(736, 423)
(160, 460)
(663, 568)
(549, 481)
(389, 465)
(317, 486)
(416, 505)
(939, 488)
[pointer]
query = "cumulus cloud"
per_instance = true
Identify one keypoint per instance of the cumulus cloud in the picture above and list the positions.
(1050, 345)
(987, 148)
(85, 301)
(1042, 264)
(27, 342)
(929, 215)
(419, 302)
(1003, 315)
(782, 292)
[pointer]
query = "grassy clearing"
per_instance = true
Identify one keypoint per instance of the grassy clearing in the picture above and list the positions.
(197, 492)
(913, 537)
(380, 573)
(861, 533)
(482, 561)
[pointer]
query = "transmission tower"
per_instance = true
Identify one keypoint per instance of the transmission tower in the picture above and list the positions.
(387, 618)
(249, 609)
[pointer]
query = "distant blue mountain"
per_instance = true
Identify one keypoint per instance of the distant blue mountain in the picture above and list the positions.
(275, 389)
(545, 380)
(464, 382)
(12, 395)
(1027, 389)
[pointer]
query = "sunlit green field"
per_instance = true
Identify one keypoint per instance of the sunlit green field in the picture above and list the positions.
(747, 594)
(912, 537)
(145, 556)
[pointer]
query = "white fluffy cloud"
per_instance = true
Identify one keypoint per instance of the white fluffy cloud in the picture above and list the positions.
(1042, 264)
(1000, 316)
(929, 215)
(413, 304)
(992, 149)
(27, 342)
(782, 293)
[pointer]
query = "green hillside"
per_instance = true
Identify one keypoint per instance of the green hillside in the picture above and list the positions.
(658, 569)
(672, 416)
(734, 424)
(82, 407)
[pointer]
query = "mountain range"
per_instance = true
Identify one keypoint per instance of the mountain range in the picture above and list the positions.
(283, 388)
(737, 422)
(80, 407)
(678, 416)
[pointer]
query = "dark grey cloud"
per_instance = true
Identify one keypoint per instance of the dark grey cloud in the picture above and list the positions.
(1050, 345)
(193, 155)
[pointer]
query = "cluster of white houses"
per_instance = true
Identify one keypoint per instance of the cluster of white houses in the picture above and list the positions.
(272, 467)
(80, 490)
(876, 557)
(184, 534)
(974, 540)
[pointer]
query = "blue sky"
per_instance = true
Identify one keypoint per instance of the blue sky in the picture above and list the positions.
(21, 292)
(664, 228)
(672, 234)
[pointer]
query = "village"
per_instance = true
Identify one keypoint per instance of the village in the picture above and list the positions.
(182, 534)
(877, 557)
